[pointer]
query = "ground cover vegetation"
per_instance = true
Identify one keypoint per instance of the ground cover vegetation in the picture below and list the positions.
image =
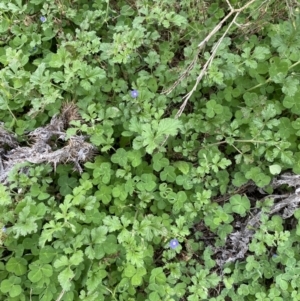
(149, 150)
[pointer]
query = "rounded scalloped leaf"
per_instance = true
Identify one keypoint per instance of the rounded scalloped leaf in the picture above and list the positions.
(239, 204)
(18, 266)
(275, 169)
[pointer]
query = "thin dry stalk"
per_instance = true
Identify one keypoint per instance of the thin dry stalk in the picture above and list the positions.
(207, 38)
(186, 98)
(61, 295)
(183, 75)
(237, 243)
(236, 11)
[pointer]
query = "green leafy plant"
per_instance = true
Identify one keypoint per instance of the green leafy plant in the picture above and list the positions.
(188, 114)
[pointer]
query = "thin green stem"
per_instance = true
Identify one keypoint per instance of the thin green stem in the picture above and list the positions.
(259, 85)
(297, 63)
(239, 140)
(269, 79)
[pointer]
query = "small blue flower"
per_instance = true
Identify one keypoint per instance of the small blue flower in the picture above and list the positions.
(33, 49)
(174, 243)
(134, 93)
(43, 19)
(4, 229)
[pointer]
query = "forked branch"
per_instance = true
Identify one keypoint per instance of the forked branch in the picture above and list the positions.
(233, 11)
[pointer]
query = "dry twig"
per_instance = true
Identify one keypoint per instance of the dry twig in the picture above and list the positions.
(233, 11)
(46, 147)
(237, 243)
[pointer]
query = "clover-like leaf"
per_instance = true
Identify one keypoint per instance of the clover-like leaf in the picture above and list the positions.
(159, 161)
(239, 204)
(120, 157)
(18, 266)
(168, 174)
